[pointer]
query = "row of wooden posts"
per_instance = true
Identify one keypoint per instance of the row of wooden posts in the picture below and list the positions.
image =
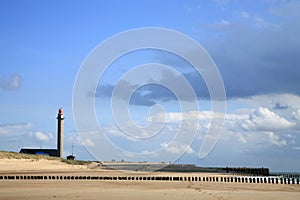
(269, 180)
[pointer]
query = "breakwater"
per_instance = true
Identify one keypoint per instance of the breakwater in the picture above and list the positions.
(162, 167)
(231, 170)
(225, 179)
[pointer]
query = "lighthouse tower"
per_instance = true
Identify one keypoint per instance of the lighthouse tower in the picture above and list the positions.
(60, 132)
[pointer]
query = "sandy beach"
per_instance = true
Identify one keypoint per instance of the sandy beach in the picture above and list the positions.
(125, 189)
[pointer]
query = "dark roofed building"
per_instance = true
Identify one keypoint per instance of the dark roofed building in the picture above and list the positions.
(45, 152)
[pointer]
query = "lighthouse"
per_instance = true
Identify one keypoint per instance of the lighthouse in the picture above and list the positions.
(58, 152)
(60, 132)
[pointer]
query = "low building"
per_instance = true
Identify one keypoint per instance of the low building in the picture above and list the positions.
(45, 152)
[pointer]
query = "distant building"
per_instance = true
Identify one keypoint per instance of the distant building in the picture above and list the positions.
(60, 135)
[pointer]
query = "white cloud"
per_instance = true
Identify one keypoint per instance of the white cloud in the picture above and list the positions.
(14, 128)
(262, 140)
(263, 24)
(296, 148)
(275, 139)
(262, 128)
(134, 133)
(44, 137)
(178, 148)
(11, 83)
(296, 118)
(220, 25)
(225, 22)
(263, 119)
(241, 138)
(245, 14)
(296, 115)
(191, 115)
(86, 141)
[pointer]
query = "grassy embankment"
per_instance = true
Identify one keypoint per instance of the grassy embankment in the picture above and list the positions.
(14, 155)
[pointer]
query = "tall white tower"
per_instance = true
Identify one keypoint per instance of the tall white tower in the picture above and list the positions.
(60, 132)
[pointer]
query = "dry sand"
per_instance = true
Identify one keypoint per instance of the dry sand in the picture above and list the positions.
(100, 189)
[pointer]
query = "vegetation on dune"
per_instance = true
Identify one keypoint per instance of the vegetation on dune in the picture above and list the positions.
(14, 155)
(76, 162)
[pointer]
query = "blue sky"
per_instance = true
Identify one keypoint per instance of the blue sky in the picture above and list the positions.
(255, 45)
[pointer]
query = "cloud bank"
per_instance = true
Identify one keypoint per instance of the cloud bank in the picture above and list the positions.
(256, 55)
